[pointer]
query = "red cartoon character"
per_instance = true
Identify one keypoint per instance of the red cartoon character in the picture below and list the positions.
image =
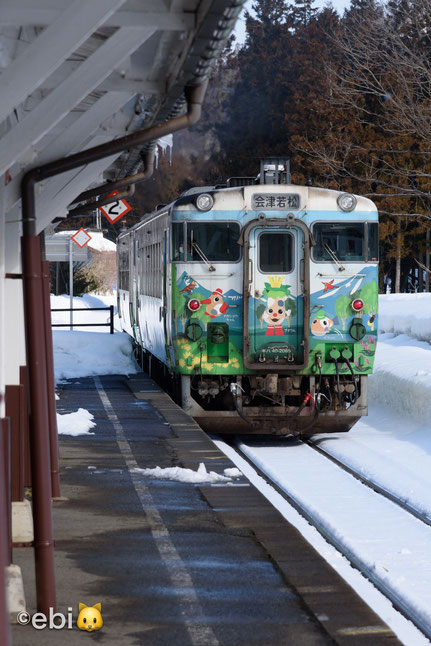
(215, 304)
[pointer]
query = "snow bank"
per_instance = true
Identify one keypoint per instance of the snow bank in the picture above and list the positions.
(402, 372)
(406, 314)
(75, 424)
(178, 474)
(85, 354)
(402, 376)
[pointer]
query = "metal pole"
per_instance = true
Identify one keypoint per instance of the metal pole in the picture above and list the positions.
(71, 282)
(427, 260)
(6, 475)
(39, 420)
(111, 321)
(50, 382)
(4, 618)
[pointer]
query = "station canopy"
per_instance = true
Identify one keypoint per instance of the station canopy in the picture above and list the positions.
(79, 73)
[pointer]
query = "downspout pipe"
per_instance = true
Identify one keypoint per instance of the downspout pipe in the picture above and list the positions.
(35, 334)
(194, 97)
(123, 183)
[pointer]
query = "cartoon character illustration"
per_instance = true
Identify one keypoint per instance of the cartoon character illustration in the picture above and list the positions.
(215, 304)
(274, 315)
(189, 287)
(90, 617)
(279, 308)
(329, 285)
(321, 324)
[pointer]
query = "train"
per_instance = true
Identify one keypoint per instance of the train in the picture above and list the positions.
(257, 301)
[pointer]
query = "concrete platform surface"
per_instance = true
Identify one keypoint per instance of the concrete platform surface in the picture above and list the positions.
(173, 563)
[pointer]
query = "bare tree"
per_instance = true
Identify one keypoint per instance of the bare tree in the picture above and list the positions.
(379, 141)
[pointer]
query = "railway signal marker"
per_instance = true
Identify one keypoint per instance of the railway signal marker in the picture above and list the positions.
(81, 238)
(115, 210)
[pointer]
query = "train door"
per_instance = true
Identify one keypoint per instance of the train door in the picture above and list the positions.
(274, 297)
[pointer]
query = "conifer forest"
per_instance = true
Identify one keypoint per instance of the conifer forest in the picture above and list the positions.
(346, 98)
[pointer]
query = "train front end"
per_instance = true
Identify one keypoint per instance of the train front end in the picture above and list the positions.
(274, 307)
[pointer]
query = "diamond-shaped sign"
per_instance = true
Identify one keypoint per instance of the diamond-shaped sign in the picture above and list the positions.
(81, 238)
(115, 210)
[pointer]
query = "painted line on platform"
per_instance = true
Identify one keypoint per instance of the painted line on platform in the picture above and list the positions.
(200, 634)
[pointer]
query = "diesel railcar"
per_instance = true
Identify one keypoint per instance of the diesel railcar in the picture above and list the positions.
(259, 300)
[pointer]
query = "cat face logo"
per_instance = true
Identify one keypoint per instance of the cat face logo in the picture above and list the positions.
(89, 617)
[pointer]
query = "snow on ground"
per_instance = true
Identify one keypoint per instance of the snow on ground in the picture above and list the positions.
(179, 474)
(404, 629)
(78, 423)
(85, 354)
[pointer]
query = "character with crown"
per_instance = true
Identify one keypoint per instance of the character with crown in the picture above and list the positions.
(275, 313)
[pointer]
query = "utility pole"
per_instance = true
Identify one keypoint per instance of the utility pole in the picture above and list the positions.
(427, 260)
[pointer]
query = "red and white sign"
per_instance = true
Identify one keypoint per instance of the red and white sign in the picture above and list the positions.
(81, 237)
(115, 210)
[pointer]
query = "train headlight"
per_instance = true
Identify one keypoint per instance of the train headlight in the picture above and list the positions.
(193, 304)
(204, 202)
(357, 305)
(346, 202)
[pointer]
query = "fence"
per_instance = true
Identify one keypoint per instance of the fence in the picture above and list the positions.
(71, 325)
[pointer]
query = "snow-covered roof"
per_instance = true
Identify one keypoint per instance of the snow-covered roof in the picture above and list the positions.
(98, 242)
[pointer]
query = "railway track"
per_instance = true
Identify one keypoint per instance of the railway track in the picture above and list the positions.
(314, 515)
(383, 491)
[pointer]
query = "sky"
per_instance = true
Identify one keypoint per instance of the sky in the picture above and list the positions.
(239, 31)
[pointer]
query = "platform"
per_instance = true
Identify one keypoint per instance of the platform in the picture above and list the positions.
(175, 563)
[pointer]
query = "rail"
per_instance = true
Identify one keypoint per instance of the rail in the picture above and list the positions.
(402, 605)
(85, 309)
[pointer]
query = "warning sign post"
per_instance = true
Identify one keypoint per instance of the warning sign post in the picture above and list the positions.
(116, 209)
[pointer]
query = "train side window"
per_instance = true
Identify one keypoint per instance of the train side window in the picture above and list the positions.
(373, 242)
(123, 269)
(276, 252)
(345, 241)
(177, 241)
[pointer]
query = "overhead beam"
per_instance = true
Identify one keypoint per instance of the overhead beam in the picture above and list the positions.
(66, 32)
(54, 200)
(12, 14)
(72, 139)
(117, 83)
(74, 89)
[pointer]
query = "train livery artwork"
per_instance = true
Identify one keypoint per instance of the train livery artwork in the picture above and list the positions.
(257, 301)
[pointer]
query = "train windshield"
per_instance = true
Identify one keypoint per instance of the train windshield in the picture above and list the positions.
(212, 241)
(345, 241)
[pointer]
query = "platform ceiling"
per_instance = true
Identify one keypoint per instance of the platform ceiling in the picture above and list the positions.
(78, 73)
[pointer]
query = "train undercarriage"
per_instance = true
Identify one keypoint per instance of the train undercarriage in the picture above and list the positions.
(275, 404)
(272, 403)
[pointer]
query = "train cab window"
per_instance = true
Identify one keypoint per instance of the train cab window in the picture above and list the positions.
(276, 252)
(344, 241)
(213, 241)
(373, 242)
(177, 241)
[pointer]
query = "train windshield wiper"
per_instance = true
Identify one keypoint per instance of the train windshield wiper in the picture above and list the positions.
(333, 256)
(203, 256)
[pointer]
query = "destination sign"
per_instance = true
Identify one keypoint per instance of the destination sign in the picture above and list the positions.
(275, 201)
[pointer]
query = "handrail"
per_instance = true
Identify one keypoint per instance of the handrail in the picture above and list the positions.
(110, 309)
